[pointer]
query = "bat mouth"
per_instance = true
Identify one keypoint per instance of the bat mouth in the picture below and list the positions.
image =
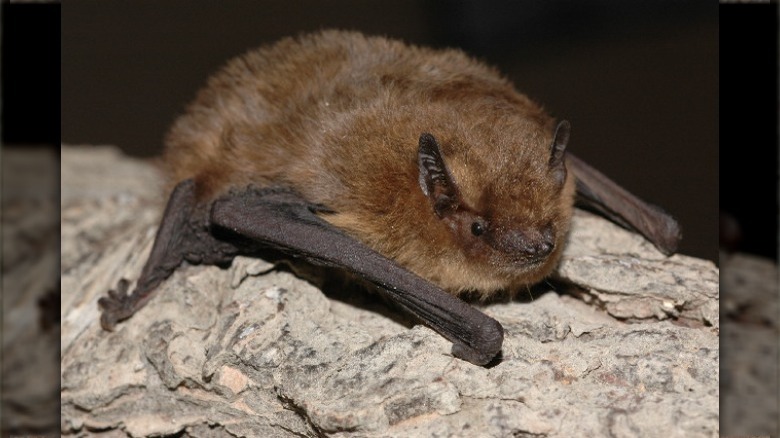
(520, 264)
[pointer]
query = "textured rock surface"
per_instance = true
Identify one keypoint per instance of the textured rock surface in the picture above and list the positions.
(749, 404)
(30, 359)
(628, 346)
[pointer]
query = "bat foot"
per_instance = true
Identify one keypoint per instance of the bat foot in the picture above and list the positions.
(117, 306)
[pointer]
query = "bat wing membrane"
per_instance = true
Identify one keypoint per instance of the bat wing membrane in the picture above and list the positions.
(183, 235)
(597, 192)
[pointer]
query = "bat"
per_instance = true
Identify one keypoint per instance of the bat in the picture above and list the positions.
(421, 171)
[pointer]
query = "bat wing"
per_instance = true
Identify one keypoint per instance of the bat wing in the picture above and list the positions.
(597, 192)
(283, 220)
(183, 235)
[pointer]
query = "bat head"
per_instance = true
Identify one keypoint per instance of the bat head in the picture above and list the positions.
(509, 216)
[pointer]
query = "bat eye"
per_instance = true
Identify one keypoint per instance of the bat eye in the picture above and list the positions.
(477, 229)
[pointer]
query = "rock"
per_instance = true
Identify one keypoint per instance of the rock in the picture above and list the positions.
(627, 346)
(626, 276)
(749, 403)
(30, 295)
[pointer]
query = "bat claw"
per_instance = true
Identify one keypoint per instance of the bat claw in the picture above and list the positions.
(117, 306)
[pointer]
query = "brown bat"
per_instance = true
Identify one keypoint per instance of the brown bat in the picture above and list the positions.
(421, 171)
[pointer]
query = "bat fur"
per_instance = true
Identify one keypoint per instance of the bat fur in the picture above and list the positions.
(337, 117)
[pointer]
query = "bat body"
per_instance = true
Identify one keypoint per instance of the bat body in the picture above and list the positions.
(423, 171)
(337, 117)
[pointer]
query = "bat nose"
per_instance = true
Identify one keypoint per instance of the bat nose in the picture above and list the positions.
(534, 251)
(527, 246)
(539, 249)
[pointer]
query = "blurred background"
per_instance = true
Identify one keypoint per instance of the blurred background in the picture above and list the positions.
(637, 81)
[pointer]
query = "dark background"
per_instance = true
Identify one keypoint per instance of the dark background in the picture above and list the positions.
(638, 81)
(749, 104)
(30, 50)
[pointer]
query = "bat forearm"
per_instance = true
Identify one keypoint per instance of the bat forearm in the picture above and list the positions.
(596, 191)
(284, 220)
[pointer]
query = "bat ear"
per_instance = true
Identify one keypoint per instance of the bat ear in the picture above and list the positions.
(558, 150)
(435, 180)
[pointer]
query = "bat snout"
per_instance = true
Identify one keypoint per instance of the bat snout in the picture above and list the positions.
(539, 250)
(526, 247)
